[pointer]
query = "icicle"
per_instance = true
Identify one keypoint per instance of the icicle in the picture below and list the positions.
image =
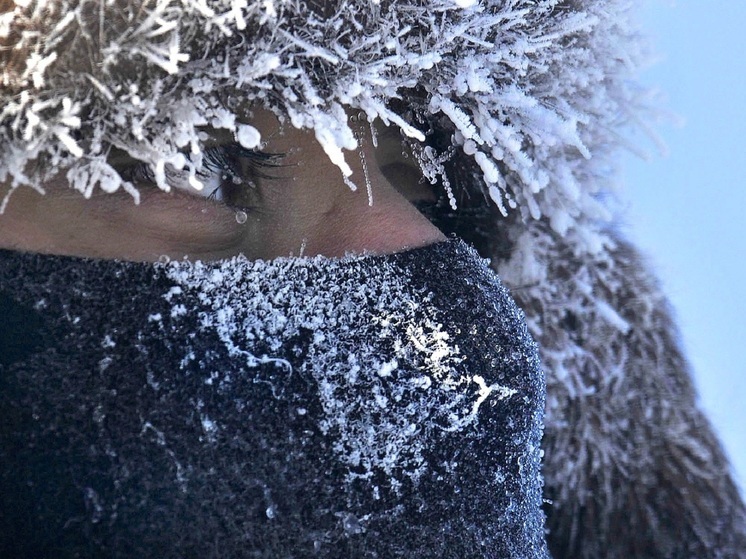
(357, 121)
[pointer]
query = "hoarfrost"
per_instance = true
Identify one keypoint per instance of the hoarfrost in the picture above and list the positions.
(537, 97)
(247, 136)
(209, 427)
(255, 307)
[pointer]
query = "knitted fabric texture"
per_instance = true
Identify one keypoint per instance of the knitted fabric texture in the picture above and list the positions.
(368, 407)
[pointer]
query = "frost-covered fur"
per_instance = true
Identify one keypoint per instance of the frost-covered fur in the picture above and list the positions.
(632, 466)
(516, 107)
(526, 87)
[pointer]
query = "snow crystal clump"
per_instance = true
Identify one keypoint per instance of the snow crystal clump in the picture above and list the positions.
(367, 332)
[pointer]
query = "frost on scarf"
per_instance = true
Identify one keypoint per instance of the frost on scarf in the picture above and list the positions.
(534, 93)
(368, 407)
(401, 327)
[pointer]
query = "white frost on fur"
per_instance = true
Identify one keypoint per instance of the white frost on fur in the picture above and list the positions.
(537, 93)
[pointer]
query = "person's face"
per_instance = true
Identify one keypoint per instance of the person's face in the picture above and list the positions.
(295, 202)
(299, 206)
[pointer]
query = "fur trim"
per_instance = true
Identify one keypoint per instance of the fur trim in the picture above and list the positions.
(533, 93)
(632, 466)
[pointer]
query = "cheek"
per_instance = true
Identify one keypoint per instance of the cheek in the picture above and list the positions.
(113, 226)
(175, 223)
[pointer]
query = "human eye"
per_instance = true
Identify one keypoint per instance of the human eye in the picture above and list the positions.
(229, 173)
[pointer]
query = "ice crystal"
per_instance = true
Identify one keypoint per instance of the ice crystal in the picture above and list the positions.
(535, 93)
(405, 340)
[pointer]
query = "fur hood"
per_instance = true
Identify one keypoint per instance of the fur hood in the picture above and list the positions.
(532, 94)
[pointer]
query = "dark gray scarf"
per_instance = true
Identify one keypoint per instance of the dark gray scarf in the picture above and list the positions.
(378, 406)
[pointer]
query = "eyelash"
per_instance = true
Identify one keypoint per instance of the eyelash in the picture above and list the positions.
(234, 166)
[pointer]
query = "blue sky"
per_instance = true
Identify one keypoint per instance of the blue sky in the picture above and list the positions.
(687, 210)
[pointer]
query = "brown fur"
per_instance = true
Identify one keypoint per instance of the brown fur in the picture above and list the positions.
(632, 467)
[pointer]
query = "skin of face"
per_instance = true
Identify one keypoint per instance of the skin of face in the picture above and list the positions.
(306, 208)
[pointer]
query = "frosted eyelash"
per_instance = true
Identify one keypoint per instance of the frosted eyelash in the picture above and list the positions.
(228, 165)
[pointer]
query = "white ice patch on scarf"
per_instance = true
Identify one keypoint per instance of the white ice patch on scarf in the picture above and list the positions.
(369, 332)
